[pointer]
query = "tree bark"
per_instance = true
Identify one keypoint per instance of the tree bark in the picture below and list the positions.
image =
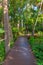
(18, 24)
(37, 19)
(6, 26)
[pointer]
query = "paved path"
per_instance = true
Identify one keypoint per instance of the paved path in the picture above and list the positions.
(20, 54)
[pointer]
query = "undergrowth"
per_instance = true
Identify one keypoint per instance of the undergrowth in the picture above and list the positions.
(37, 48)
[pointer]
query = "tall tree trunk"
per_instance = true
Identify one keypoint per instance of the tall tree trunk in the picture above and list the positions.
(21, 23)
(18, 24)
(36, 19)
(6, 26)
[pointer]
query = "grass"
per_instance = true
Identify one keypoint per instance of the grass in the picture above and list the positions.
(37, 48)
(2, 51)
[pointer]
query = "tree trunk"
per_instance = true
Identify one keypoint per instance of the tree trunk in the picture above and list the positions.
(18, 24)
(37, 19)
(6, 26)
(21, 23)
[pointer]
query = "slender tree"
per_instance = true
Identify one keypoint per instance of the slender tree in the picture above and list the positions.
(7, 27)
(37, 18)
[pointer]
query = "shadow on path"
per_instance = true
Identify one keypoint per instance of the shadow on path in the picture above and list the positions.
(20, 54)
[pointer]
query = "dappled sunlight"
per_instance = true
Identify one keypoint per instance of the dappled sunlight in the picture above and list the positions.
(21, 21)
(24, 48)
(11, 58)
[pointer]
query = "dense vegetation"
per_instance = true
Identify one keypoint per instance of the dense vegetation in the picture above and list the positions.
(37, 48)
(25, 17)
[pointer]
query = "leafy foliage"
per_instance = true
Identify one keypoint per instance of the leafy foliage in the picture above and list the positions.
(2, 51)
(37, 48)
(26, 12)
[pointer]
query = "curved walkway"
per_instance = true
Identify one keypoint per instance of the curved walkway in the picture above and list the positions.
(20, 54)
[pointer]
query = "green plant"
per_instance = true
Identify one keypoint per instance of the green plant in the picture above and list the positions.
(2, 51)
(1, 32)
(37, 48)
